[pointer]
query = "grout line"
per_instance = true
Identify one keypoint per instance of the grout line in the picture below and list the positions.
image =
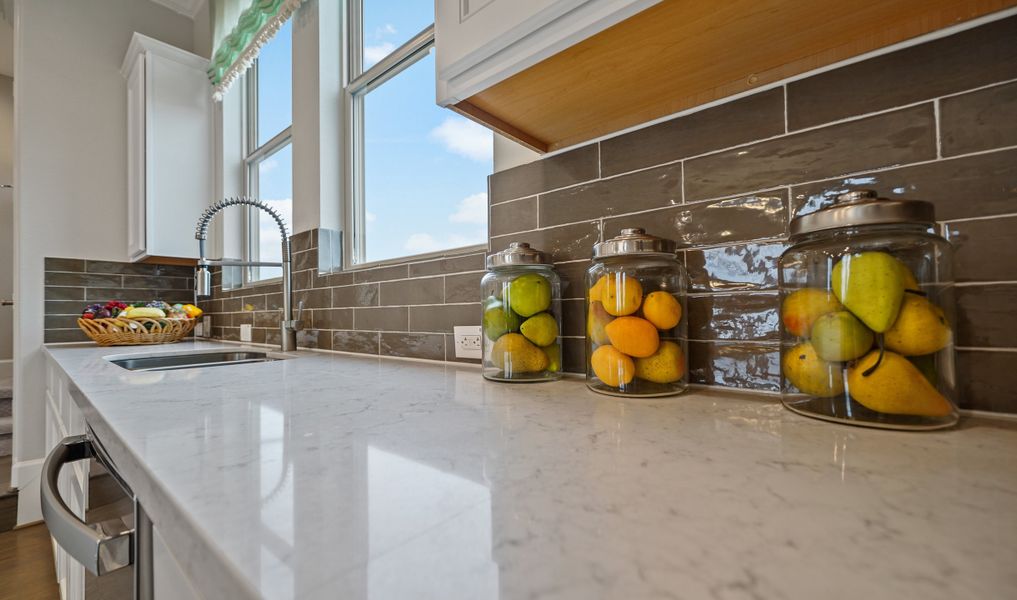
(785, 108)
(600, 162)
(683, 182)
(939, 138)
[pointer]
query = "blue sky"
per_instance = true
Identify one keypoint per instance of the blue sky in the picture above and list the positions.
(426, 168)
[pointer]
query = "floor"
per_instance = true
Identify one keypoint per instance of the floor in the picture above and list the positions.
(27, 571)
(26, 565)
(8, 500)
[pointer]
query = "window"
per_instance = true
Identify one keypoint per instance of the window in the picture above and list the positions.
(269, 155)
(418, 173)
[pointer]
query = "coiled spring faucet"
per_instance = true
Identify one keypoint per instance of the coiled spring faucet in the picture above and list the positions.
(289, 326)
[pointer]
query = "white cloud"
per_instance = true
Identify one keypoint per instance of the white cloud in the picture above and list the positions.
(471, 209)
(465, 138)
(370, 217)
(418, 243)
(268, 231)
(421, 242)
(373, 54)
(269, 164)
(386, 29)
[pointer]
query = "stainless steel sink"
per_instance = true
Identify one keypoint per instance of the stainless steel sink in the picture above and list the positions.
(168, 362)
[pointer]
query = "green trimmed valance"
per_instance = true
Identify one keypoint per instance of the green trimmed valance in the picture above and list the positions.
(239, 35)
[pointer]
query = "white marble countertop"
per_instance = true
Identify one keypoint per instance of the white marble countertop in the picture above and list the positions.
(343, 476)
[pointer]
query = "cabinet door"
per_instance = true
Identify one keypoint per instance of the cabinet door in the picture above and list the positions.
(136, 161)
(178, 157)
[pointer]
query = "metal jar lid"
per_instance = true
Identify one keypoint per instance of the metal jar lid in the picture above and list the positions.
(517, 254)
(634, 241)
(864, 207)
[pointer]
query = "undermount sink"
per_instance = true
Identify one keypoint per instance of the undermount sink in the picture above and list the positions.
(168, 362)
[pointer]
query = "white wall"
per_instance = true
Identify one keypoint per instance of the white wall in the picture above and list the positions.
(6, 216)
(508, 154)
(70, 176)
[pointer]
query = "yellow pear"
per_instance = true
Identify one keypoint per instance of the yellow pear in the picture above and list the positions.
(596, 319)
(895, 386)
(920, 328)
(811, 374)
(802, 307)
(513, 353)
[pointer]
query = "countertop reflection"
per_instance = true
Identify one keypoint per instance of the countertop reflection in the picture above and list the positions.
(343, 476)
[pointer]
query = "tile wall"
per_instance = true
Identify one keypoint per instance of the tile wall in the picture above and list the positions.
(72, 284)
(936, 122)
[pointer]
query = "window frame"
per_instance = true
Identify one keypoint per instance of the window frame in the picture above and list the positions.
(254, 155)
(358, 82)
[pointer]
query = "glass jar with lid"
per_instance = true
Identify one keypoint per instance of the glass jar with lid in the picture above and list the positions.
(867, 315)
(636, 328)
(521, 320)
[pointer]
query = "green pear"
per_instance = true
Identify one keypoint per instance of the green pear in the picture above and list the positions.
(529, 294)
(891, 384)
(499, 319)
(541, 329)
(870, 285)
(839, 336)
(920, 328)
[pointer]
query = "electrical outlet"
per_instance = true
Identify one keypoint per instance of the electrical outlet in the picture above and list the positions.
(204, 327)
(245, 332)
(467, 339)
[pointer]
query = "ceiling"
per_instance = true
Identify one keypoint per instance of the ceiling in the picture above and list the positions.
(188, 8)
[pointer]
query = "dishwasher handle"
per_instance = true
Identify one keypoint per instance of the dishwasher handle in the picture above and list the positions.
(99, 553)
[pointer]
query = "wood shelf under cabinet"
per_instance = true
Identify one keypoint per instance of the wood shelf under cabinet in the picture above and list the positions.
(684, 53)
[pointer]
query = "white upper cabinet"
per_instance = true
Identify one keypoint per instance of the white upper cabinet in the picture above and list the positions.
(479, 43)
(169, 148)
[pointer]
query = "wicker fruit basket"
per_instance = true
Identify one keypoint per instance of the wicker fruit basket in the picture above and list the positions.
(119, 331)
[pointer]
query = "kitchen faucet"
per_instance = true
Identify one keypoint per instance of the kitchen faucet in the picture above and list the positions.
(203, 276)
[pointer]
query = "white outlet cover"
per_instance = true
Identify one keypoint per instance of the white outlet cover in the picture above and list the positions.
(245, 333)
(467, 341)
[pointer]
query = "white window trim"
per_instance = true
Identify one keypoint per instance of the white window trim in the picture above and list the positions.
(253, 156)
(358, 83)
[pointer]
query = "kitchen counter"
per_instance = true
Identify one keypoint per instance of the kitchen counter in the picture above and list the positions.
(344, 476)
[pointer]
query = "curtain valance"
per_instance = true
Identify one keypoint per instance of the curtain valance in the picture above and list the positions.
(240, 29)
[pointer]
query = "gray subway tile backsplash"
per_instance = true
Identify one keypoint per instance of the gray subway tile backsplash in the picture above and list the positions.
(568, 168)
(725, 182)
(658, 187)
(965, 187)
(748, 119)
(899, 137)
(71, 284)
(963, 61)
(979, 120)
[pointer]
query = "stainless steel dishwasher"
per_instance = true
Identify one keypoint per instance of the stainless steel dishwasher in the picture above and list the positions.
(113, 543)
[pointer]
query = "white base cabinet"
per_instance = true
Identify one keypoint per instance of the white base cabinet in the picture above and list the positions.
(170, 173)
(64, 419)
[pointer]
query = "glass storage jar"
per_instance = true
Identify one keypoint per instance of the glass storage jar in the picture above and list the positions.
(636, 328)
(867, 315)
(521, 320)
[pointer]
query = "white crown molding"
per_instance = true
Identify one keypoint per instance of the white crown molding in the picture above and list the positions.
(188, 8)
